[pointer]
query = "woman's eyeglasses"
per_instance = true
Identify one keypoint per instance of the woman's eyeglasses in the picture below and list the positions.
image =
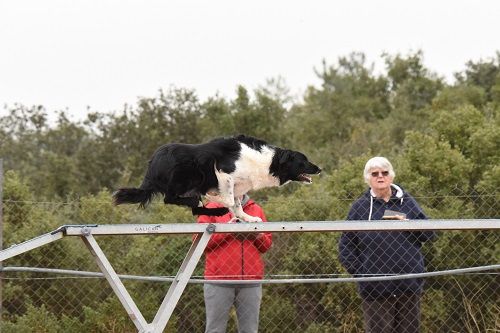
(380, 173)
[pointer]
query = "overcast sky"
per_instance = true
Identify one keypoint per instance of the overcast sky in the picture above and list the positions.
(101, 54)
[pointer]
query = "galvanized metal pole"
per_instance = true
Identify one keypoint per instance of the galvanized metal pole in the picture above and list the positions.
(181, 280)
(1, 236)
(116, 284)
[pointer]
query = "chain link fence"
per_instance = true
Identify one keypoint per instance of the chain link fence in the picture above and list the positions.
(39, 297)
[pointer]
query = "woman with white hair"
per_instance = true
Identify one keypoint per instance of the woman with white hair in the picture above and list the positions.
(394, 305)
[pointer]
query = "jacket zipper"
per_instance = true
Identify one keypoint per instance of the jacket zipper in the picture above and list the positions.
(242, 252)
(242, 261)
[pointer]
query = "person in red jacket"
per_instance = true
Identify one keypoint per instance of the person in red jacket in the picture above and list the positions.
(234, 257)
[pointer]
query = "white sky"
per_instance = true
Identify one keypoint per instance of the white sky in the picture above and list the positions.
(101, 54)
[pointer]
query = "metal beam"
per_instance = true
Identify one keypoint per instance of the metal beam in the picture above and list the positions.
(31, 244)
(290, 278)
(117, 285)
(179, 284)
(300, 226)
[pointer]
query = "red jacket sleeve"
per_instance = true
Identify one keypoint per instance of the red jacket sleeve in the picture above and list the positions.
(264, 242)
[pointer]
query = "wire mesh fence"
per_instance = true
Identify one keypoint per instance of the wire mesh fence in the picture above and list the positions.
(44, 301)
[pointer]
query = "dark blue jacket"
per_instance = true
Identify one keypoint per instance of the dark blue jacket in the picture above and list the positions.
(373, 253)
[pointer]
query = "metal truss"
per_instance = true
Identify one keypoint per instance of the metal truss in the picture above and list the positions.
(203, 234)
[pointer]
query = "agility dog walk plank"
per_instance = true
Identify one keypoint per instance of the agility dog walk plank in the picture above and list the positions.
(203, 234)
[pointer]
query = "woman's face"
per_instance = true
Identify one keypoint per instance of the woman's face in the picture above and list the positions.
(380, 180)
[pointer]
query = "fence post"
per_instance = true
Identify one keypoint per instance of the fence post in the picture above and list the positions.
(1, 237)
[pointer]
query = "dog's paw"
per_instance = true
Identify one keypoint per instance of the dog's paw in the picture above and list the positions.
(235, 220)
(250, 218)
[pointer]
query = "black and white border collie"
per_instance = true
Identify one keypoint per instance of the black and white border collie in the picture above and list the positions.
(222, 170)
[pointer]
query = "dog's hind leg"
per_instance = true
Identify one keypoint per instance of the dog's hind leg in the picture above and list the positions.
(182, 187)
(196, 205)
(238, 212)
(182, 201)
(225, 195)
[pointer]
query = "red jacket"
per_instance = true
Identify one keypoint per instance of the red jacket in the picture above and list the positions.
(228, 258)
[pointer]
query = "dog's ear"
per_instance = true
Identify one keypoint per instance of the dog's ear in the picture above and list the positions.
(285, 156)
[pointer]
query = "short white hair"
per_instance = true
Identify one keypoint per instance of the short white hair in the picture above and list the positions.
(380, 163)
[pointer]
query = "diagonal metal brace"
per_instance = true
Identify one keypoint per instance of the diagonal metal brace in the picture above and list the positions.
(31, 244)
(182, 278)
(115, 283)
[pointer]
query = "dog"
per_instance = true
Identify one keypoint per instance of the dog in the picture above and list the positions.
(222, 170)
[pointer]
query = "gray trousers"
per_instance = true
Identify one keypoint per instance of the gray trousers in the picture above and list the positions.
(218, 302)
(395, 314)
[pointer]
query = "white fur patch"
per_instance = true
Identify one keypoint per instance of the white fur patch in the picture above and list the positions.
(252, 170)
(251, 173)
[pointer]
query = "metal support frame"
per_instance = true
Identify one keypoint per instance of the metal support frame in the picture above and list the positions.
(116, 284)
(174, 292)
(31, 244)
(181, 280)
(203, 234)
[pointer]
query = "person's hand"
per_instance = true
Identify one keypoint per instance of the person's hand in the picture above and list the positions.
(395, 217)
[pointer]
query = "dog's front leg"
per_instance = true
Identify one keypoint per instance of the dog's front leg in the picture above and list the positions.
(238, 212)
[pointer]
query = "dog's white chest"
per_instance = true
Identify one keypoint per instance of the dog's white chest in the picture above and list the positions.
(251, 173)
(252, 170)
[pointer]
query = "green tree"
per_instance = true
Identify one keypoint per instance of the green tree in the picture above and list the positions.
(484, 74)
(413, 87)
(217, 119)
(262, 117)
(349, 94)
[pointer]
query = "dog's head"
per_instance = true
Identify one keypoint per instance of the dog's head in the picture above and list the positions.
(289, 165)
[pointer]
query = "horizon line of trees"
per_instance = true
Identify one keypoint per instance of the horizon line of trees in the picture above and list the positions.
(353, 113)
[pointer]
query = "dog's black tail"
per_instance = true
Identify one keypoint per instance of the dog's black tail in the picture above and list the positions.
(133, 196)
